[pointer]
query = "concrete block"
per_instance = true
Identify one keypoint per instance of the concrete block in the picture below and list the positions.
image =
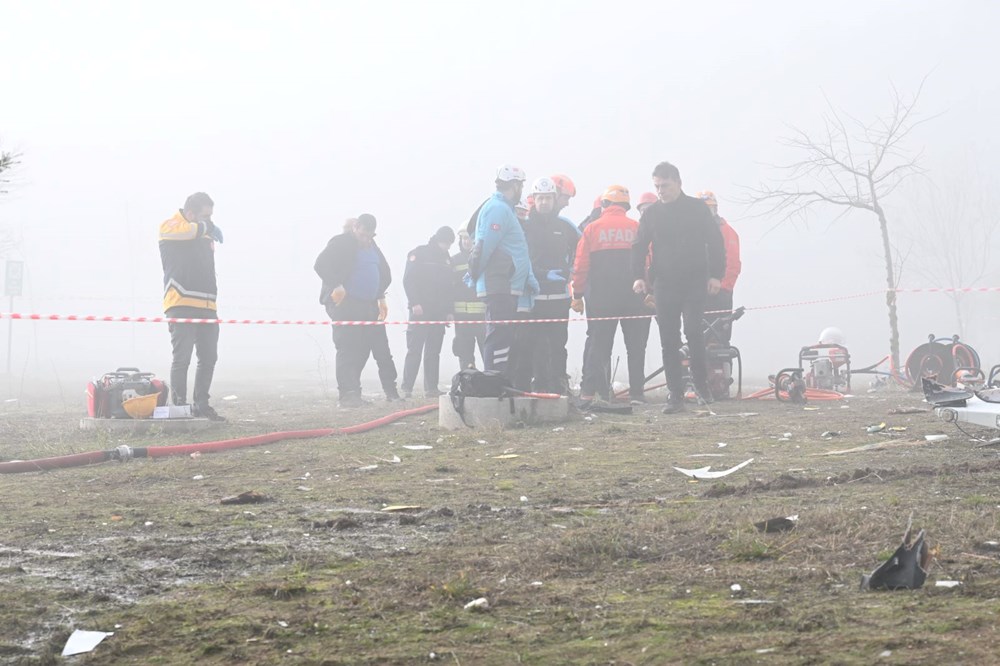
(493, 412)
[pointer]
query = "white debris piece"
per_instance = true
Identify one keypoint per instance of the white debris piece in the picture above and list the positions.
(81, 641)
(704, 473)
(479, 604)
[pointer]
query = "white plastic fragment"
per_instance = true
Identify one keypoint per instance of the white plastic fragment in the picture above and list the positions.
(367, 468)
(704, 473)
(81, 641)
(947, 583)
(935, 438)
(418, 447)
(736, 587)
(230, 397)
(479, 604)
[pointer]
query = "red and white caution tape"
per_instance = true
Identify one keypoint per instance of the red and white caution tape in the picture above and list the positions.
(326, 322)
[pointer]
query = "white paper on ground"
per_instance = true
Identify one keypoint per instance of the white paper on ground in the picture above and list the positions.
(704, 473)
(84, 641)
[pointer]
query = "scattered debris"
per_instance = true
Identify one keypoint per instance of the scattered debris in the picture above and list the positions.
(230, 397)
(480, 604)
(506, 456)
(395, 460)
(906, 569)
(196, 454)
(249, 497)
(935, 438)
(721, 445)
(367, 468)
(872, 429)
(830, 434)
(402, 507)
(766, 650)
(875, 446)
(81, 641)
(736, 587)
(908, 410)
(780, 524)
(704, 473)
(198, 477)
(559, 429)
(947, 583)
(418, 447)
(896, 429)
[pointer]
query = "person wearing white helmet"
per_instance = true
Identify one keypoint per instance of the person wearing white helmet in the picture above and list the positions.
(552, 242)
(500, 265)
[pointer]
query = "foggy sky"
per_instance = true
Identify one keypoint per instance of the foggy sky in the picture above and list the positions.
(296, 116)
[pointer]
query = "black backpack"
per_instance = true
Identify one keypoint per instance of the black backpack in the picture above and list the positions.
(472, 383)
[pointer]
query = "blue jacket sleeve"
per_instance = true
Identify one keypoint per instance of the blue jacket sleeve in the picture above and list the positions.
(523, 278)
(490, 229)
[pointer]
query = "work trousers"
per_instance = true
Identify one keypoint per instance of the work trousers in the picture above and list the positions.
(383, 359)
(423, 341)
(600, 342)
(540, 349)
(673, 305)
(202, 340)
(499, 337)
(353, 343)
(468, 335)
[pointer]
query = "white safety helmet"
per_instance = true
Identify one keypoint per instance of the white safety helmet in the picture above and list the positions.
(507, 173)
(544, 185)
(831, 335)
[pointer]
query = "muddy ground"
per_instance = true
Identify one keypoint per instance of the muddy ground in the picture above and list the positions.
(588, 546)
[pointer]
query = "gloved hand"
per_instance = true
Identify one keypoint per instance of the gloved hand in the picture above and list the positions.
(383, 309)
(576, 305)
(214, 232)
(417, 310)
(649, 301)
(469, 282)
(555, 275)
(338, 295)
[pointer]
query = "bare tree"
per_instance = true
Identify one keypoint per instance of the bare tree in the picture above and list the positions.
(952, 224)
(8, 161)
(851, 165)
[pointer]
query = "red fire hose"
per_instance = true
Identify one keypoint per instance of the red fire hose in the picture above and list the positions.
(124, 453)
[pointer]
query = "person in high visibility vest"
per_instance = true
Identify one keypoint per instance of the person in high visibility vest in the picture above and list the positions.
(469, 311)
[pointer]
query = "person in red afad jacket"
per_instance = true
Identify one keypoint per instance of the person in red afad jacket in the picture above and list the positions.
(724, 299)
(602, 280)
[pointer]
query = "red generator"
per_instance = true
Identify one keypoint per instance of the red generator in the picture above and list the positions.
(105, 396)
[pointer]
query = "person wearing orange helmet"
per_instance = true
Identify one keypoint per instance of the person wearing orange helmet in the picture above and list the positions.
(723, 301)
(565, 190)
(602, 285)
(645, 201)
(688, 263)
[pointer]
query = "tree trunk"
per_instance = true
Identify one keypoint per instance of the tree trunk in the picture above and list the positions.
(890, 290)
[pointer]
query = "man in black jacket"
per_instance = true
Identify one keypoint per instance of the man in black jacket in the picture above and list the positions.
(355, 276)
(427, 281)
(552, 247)
(688, 263)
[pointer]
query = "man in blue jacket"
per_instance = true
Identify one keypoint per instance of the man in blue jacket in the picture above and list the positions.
(500, 265)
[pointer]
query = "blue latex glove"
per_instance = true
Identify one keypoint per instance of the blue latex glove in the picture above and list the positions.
(215, 233)
(555, 275)
(469, 282)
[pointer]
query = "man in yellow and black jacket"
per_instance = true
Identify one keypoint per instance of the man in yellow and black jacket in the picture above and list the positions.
(470, 312)
(187, 252)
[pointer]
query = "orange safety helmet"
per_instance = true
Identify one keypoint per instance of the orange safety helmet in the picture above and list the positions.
(708, 197)
(617, 194)
(564, 185)
(647, 198)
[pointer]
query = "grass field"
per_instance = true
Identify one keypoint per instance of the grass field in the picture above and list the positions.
(588, 546)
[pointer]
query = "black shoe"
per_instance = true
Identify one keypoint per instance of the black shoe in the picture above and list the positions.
(674, 407)
(206, 412)
(639, 399)
(392, 396)
(352, 400)
(407, 394)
